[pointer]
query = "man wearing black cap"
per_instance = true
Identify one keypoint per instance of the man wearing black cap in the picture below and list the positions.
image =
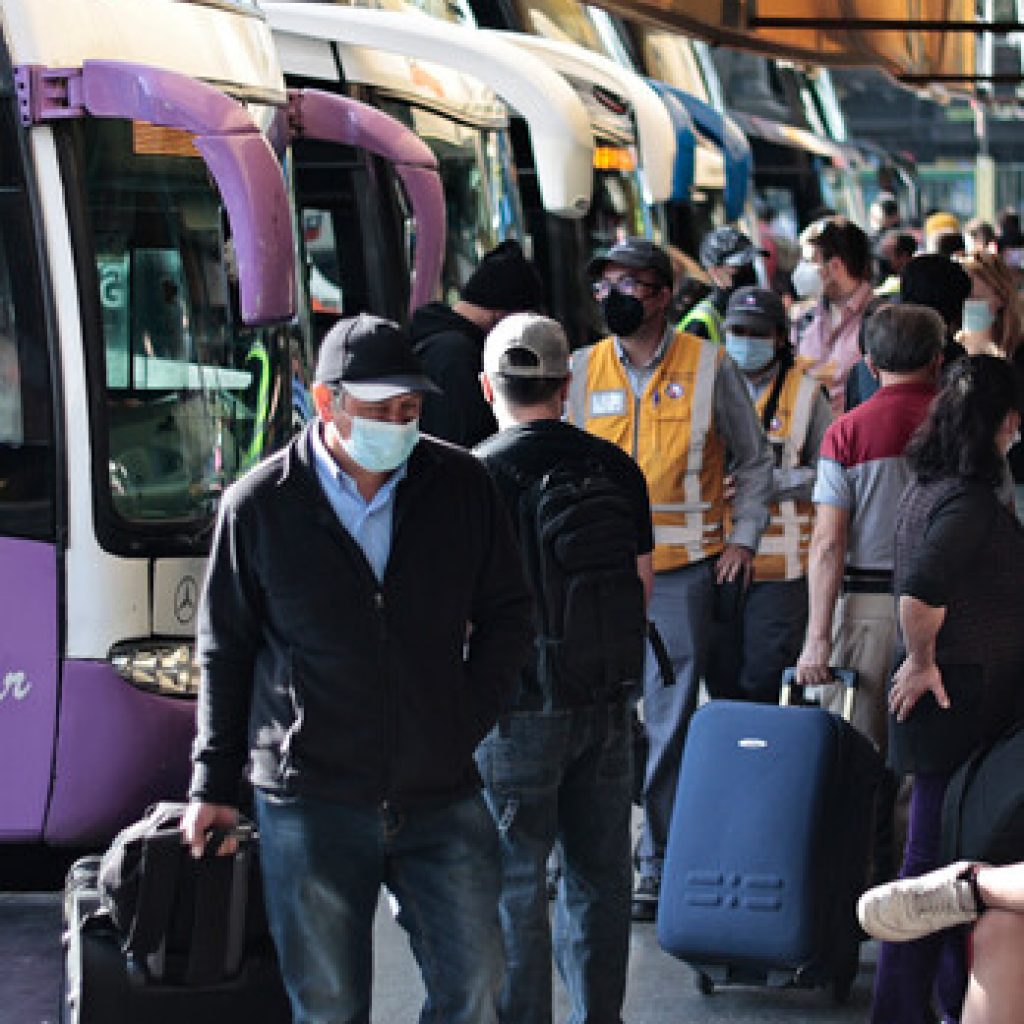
(450, 341)
(676, 403)
(765, 632)
(728, 256)
(362, 624)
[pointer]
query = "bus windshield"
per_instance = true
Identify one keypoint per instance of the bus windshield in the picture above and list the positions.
(188, 397)
(480, 188)
(617, 210)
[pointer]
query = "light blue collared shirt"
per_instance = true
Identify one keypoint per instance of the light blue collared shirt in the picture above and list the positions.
(639, 376)
(369, 523)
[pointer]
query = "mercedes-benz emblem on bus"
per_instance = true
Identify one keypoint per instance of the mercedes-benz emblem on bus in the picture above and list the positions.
(186, 597)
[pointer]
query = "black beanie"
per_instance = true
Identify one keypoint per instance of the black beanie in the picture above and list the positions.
(505, 280)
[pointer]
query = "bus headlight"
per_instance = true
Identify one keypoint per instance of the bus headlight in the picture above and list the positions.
(167, 668)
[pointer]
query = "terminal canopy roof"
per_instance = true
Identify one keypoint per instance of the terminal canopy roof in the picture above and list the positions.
(914, 40)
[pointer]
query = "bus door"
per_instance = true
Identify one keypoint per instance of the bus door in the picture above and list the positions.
(349, 160)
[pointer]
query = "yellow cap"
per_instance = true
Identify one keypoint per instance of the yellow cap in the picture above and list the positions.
(939, 222)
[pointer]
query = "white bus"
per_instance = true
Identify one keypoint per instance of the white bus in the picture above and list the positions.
(458, 90)
(146, 263)
(151, 351)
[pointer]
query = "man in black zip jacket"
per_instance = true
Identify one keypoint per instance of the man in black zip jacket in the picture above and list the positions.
(449, 341)
(363, 623)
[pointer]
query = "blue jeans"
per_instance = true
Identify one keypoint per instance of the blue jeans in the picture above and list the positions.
(323, 867)
(908, 972)
(564, 778)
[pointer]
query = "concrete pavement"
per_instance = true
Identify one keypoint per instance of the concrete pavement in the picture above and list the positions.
(660, 989)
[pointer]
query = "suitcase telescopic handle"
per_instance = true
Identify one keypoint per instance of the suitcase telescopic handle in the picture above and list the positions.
(846, 677)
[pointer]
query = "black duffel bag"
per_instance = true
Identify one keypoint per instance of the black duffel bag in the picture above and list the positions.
(181, 920)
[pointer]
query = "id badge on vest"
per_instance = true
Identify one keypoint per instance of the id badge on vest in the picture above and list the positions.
(608, 403)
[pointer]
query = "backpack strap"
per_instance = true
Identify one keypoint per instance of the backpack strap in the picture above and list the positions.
(661, 658)
(785, 364)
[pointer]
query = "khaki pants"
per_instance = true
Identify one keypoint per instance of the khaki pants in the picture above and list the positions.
(864, 638)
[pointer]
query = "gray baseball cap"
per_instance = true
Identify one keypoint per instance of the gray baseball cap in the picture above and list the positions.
(527, 345)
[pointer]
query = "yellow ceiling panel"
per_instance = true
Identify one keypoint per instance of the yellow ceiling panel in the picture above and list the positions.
(893, 34)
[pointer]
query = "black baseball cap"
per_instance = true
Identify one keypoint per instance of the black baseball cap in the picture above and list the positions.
(637, 254)
(757, 308)
(371, 358)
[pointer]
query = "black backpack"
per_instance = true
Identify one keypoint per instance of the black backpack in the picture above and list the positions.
(577, 535)
(181, 920)
(983, 809)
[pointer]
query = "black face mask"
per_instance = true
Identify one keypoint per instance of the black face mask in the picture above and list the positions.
(622, 313)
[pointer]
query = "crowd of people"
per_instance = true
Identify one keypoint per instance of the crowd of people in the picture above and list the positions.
(822, 473)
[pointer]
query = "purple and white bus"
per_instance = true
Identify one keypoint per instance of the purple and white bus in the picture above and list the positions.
(149, 343)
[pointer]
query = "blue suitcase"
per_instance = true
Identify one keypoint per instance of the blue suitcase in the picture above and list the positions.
(769, 846)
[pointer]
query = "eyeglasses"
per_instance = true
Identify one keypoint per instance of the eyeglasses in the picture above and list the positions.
(625, 285)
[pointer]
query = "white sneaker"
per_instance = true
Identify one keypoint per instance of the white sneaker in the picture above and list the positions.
(914, 907)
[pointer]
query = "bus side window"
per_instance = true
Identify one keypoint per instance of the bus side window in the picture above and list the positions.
(27, 456)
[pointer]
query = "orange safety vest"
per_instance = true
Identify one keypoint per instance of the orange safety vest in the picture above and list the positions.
(785, 543)
(670, 433)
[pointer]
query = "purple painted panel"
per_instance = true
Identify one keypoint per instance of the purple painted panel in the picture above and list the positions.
(325, 115)
(145, 93)
(118, 750)
(28, 683)
(252, 186)
(427, 197)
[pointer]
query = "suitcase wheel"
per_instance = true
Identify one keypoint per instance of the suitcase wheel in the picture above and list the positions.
(705, 986)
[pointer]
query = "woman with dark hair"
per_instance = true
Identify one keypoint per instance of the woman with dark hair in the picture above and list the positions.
(992, 315)
(958, 580)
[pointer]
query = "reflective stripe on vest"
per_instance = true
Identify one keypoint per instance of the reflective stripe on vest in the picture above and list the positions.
(706, 313)
(669, 431)
(783, 550)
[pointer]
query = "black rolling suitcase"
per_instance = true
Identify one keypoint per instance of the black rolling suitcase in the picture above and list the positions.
(194, 947)
(769, 845)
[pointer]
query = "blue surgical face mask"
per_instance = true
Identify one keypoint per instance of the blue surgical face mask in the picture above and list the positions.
(750, 354)
(977, 316)
(379, 446)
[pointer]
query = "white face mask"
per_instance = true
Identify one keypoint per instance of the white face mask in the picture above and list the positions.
(807, 280)
(380, 446)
